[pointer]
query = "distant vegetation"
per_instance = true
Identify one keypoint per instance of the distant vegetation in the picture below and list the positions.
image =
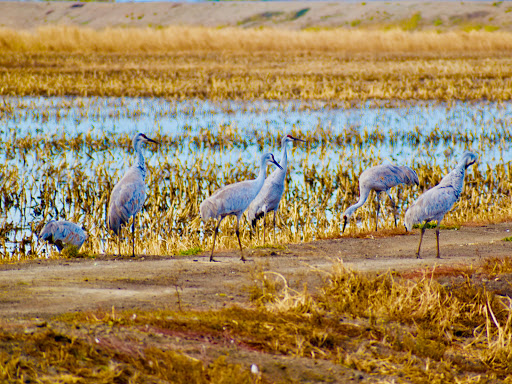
(227, 63)
(243, 41)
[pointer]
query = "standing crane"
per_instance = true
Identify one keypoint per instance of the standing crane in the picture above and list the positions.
(380, 178)
(437, 201)
(233, 199)
(269, 197)
(129, 193)
(62, 234)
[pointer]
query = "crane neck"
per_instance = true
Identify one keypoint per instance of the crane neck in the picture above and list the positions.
(284, 157)
(362, 199)
(262, 173)
(455, 179)
(140, 163)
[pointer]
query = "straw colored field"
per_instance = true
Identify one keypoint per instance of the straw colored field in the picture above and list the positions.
(217, 64)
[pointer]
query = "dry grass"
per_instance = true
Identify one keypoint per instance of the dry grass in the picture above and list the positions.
(218, 64)
(247, 41)
(414, 330)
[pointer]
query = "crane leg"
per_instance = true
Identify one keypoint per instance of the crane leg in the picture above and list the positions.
(378, 209)
(394, 208)
(421, 238)
(437, 238)
(264, 227)
(239, 242)
(133, 237)
(215, 237)
(274, 226)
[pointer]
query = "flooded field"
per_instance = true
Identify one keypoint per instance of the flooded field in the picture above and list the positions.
(62, 157)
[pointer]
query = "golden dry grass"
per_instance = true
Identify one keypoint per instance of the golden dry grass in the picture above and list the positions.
(217, 64)
(248, 41)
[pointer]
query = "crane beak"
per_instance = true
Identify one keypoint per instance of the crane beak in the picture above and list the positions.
(468, 165)
(344, 223)
(148, 139)
(276, 163)
(296, 139)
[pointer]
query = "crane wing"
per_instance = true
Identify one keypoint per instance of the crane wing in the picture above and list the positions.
(70, 233)
(267, 199)
(386, 176)
(436, 202)
(127, 199)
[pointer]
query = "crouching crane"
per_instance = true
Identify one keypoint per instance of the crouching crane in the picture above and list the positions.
(437, 201)
(233, 199)
(63, 234)
(380, 178)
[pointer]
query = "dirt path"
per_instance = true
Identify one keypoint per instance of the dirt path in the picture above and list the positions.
(50, 287)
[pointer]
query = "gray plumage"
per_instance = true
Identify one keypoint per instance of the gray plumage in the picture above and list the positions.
(234, 199)
(437, 201)
(129, 193)
(62, 234)
(270, 195)
(380, 178)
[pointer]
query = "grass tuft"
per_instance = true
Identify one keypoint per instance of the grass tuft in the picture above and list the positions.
(191, 251)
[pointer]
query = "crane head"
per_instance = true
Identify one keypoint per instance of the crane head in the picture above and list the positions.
(269, 158)
(345, 220)
(469, 159)
(291, 139)
(140, 137)
(47, 232)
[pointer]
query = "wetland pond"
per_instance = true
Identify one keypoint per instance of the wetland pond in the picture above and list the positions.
(51, 137)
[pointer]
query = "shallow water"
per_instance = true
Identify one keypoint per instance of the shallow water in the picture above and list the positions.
(477, 122)
(410, 134)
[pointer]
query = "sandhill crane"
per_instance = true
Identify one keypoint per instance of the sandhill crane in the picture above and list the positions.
(437, 201)
(270, 194)
(63, 233)
(380, 178)
(129, 193)
(234, 199)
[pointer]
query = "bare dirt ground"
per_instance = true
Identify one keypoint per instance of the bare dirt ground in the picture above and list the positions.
(439, 15)
(44, 288)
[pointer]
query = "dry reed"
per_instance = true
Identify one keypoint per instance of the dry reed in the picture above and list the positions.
(313, 202)
(219, 64)
(180, 38)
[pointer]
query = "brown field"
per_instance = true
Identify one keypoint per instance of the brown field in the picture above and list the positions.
(175, 319)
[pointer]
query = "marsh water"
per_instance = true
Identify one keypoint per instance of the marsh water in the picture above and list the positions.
(398, 133)
(232, 132)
